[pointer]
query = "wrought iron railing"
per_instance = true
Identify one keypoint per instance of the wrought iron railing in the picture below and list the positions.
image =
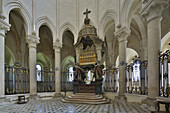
(47, 81)
(16, 79)
(110, 81)
(66, 83)
(136, 77)
(164, 83)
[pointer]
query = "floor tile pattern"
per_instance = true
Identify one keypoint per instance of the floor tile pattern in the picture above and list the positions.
(56, 106)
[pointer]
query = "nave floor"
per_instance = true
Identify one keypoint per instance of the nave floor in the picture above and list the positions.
(56, 106)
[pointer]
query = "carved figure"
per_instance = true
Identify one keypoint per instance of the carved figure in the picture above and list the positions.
(79, 71)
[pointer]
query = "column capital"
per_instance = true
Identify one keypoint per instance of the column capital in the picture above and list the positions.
(153, 9)
(32, 40)
(122, 34)
(4, 27)
(57, 46)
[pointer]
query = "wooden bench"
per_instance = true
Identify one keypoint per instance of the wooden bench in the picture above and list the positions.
(166, 102)
(21, 99)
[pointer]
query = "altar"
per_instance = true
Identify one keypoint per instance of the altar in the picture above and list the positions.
(94, 87)
(89, 58)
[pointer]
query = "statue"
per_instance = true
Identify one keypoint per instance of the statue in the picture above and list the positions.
(79, 72)
(99, 68)
(99, 72)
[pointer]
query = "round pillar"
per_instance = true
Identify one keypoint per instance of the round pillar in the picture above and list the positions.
(57, 47)
(122, 35)
(3, 28)
(32, 45)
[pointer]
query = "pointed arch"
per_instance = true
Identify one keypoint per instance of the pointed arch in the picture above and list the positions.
(67, 26)
(108, 16)
(44, 60)
(129, 9)
(9, 57)
(11, 5)
(141, 27)
(44, 20)
(66, 63)
(125, 12)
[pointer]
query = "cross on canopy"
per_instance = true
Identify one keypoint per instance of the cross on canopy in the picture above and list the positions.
(86, 13)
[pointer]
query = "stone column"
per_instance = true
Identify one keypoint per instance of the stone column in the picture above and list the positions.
(153, 16)
(152, 12)
(143, 69)
(122, 35)
(77, 55)
(98, 51)
(3, 28)
(57, 47)
(78, 52)
(32, 45)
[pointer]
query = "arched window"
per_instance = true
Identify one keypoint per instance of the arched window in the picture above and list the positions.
(70, 74)
(38, 69)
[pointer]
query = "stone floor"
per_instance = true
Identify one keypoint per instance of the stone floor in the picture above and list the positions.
(56, 106)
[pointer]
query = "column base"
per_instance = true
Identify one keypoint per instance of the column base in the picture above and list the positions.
(121, 99)
(4, 99)
(151, 104)
(57, 95)
(34, 97)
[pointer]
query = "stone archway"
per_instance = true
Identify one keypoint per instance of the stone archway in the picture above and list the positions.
(46, 45)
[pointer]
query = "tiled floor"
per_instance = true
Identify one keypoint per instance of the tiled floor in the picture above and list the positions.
(56, 106)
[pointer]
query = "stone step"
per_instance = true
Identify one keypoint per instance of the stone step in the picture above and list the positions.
(85, 94)
(85, 98)
(88, 98)
(86, 102)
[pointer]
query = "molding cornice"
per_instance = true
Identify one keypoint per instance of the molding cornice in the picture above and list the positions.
(122, 33)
